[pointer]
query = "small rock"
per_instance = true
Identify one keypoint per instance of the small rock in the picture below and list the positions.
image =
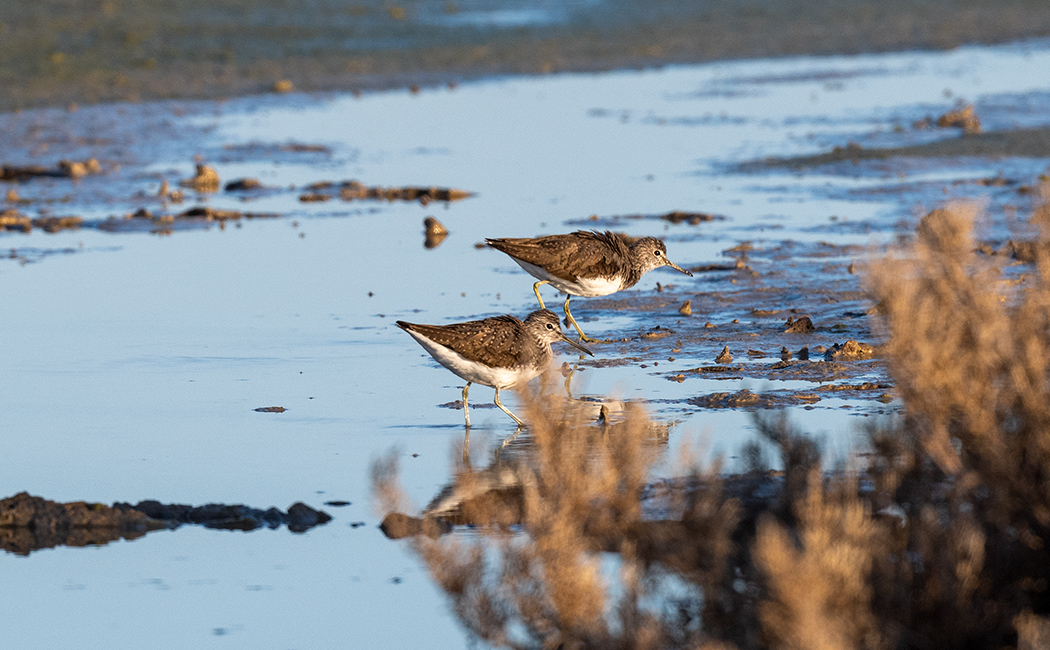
(724, 356)
(283, 86)
(13, 220)
(743, 398)
(799, 326)
(803, 354)
(55, 224)
(686, 309)
(435, 232)
(270, 409)
(73, 168)
(785, 354)
(962, 117)
(302, 517)
(205, 180)
(242, 184)
(849, 351)
(397, 526)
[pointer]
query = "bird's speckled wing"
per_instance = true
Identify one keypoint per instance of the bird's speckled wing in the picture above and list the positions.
(571, 256)
(498, 342)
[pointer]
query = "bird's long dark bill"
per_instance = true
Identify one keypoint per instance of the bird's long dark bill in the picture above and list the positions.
(576, 345)
(676, 267)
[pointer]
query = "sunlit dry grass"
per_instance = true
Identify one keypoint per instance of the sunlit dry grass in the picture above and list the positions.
(940, 542)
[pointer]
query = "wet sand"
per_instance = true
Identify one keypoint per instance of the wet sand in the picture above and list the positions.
(1024, 143)
(60, 52)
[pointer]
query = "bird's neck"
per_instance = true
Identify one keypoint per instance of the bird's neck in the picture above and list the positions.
(633, 271)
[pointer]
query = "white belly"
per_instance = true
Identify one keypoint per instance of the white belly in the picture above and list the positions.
(473, 371)
(586, 287)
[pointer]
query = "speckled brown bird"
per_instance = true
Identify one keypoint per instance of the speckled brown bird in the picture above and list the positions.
(586, 263)
(501, 352)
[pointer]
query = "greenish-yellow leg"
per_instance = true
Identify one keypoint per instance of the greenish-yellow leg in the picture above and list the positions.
(507, 411)
(568, 314)
(536, 288)
(466, 412)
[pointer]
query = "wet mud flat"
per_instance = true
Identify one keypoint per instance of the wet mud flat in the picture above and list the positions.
(771, 314)
(58, 52)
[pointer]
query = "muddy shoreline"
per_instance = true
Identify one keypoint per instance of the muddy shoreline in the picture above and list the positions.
(58, 53)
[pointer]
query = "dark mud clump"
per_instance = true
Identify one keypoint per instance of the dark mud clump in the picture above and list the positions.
(29, 523)
(12, 219)
(692, 218)
(243, 185)
(55, 224)
(745, 399)
(300, 517)
(803, 325)
(675, 217)
(740, 399)
(849, 351)
(355, 190)
(963, 118)
(64, 169)
(143, 220)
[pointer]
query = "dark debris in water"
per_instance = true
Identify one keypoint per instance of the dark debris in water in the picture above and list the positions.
(354, 190)
(745, 399)
(64, 169)
(144, 217)
(692, 218)
(29, 523)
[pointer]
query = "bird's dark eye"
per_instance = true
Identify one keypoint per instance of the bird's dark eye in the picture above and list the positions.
(657, 253)
(549, 326)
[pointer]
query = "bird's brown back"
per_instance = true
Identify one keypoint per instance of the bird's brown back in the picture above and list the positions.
(498, 342)
(571, 256)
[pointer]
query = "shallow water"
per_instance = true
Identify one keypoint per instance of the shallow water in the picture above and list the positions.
(133, 362)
